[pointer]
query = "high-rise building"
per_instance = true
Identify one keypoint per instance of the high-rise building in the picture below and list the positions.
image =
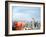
(33, 22)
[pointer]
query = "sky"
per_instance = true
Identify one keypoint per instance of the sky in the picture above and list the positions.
(26, 13)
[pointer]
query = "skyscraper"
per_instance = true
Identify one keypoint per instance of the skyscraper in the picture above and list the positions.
(33, 22)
